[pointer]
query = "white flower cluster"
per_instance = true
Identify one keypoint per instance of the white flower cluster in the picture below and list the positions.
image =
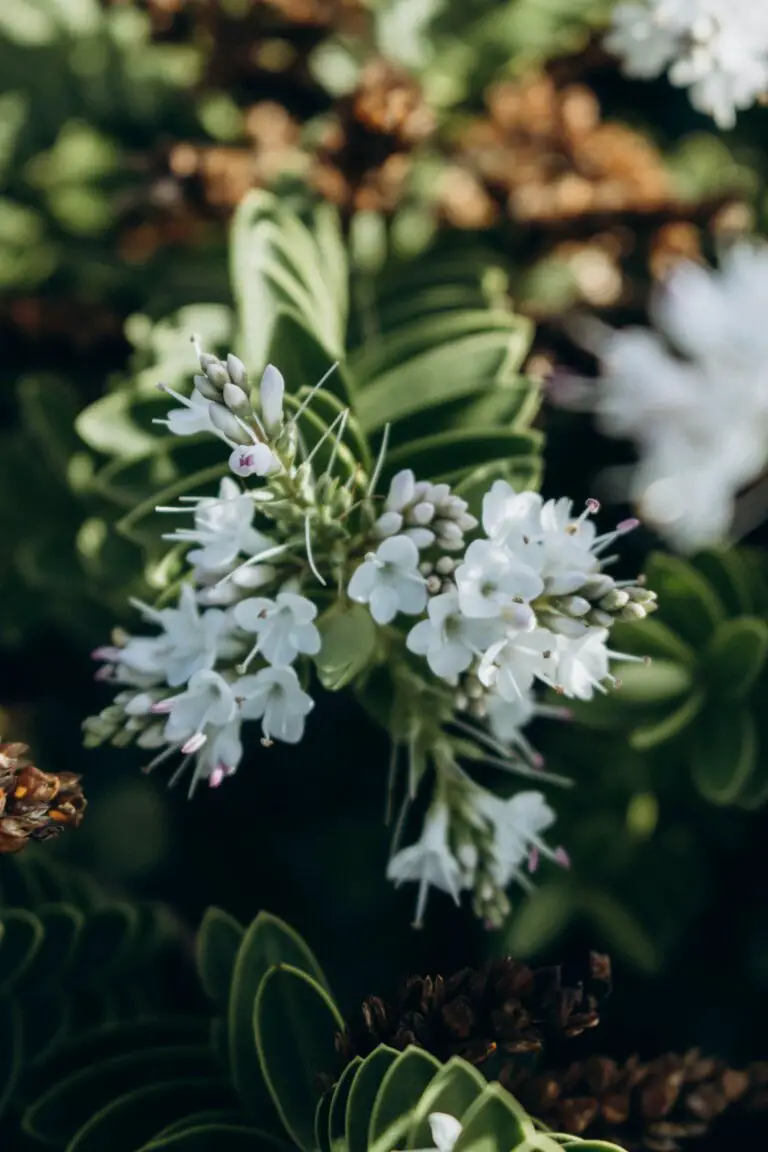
(693, 395)
(718, 49)
(525, 603)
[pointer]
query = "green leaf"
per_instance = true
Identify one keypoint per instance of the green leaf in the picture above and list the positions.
(128, 1122)
(62, 926)
(450, 454)
(736, 655)
(653, 683)
(454, 1090)
(196, 1120)
(363, 1093)
(540, 919)
(10, 1049)
(494, 1121)
(47, 1019)
(106, 940)
(301, 357)
(57, 1115)
(620, 929)
(48, 410)
(216, 947)
(650, 637)
(349, 638)
(458, 368)
(723, 752)
(400, 1092)
(322, 1118)
(337, 1116)
(217, 1137)
(22, 937)
(671, 724)
(725, 572)
(268, 941)
(295, 1021)
(687, 601)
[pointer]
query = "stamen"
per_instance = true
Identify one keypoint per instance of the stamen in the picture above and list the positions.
(308, 400)
(242, 668)
(267, 554)
(326, 434)
(310, 558)
(337, 442)
(194, 744)
(379, 460)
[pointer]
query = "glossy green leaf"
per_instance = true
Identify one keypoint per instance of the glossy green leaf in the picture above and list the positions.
(22, 938)
(449, 454)
(454, 1090)
(687, 602)
(650, 637)
(349, 638)
(671, 724)
(302, 358)
(290, 1003)
(363, 1093)
(196, 1120)
(725, 572)
(132, 1119)
(57, 1115)
(268, 941)
(10, 1049)
(400, 1092)
(539, 919)
(322, 1118)
(723, 752)
(494, 1121)
(337, 1117)
(736, 655)
(218, 940)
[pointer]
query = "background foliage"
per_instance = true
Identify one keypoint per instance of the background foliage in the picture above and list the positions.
(128, 134)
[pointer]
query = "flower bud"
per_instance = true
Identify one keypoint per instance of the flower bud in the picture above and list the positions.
(217, 374)
(236, 370)
(597, 586)
(574, 605)
(400, 491)
(641, 595)
(236, 399)
(617, 598)
(205, 388)
(271, 392)
(599, 619)
(448, 530)
(445, 566)
(631, 612)
(388, 524)
(434, 585)
(421, 514)
(223, 419)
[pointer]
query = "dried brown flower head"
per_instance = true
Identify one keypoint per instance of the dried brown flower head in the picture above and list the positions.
(34, 805)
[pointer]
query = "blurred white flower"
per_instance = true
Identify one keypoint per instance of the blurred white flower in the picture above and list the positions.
(191, 418)
(517, 827)
(389, 581)
(445, 1131)
(275, 696)
(429, 862)
(207, 703)
(718, 49)
(284, 626)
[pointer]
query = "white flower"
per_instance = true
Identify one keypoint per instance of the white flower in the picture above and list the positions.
(271, 392)
(517, 827)
(190, 419)
(511, 665)
(429, 862)
(445, 1131)
(449, 640)
(207, 703)
(191, 640)
(582, 663)
(275, 696)
(223, 529)
(508, 516)
(389, 581)
(220, 755)
(491, 580)
(255, 459)
(284, 626)
(716, 48)
(701, 423)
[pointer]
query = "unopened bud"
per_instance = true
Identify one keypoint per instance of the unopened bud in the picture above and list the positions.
(617, 598)
(599, 619)
(236, 399)
(434, 585)
(271, 392)
(445, 566)
(426, 567)
(574, 605)
(421, 514)
(597, 586)
(217, 374)
(205, 388)
(388, 524)
(641, 595)
(236, 369)
(223, 419)
(632, 612)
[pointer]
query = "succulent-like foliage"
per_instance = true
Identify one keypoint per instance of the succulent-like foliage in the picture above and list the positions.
(77, 967)
(270, 1075)
(701, 702)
